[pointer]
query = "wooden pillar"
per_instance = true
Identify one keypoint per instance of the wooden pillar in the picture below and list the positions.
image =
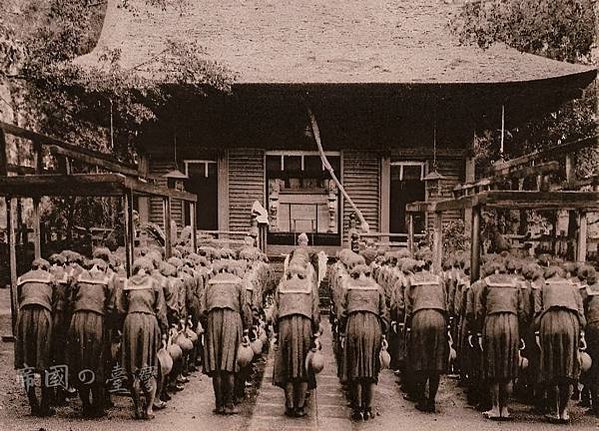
(581, 251)
(569, 168)
(39, 167)
(166, 208)
(194, 229)
(11, 220)
(411, 232)
(129, 237)
(470, 177)
(385, 197)
(3, 154)
(475, 247)
(222, 165)
(438, 242)
(37, 236)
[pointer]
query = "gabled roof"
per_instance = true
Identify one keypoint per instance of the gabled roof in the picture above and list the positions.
(322, 42)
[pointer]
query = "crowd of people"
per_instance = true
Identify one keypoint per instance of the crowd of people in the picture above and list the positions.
(528, 327)
(85, 327)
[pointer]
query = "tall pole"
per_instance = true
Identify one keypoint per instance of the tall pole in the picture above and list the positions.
(166, 207)
(11, 220)
(475, 249)
(438, 243)
(129, 237)
(194, 228)
(581, 253)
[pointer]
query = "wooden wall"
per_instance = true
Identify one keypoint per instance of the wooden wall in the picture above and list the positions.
(361, 179)
(246, 185)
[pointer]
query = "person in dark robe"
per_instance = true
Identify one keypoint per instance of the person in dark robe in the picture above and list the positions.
(226, 317)
(592, 338)
(61, 317)
(91, 299)
(500, 309)
(364, 322)
(296, 315)
(36, 294)
(426, 318)
(142, 301)
(560, 319)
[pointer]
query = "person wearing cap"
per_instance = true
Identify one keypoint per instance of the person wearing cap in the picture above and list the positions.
(142, 302)
(92, 300)
(36, 295)
(226, 317)
(500, 309)
(560, 320)
(296, 317)
(426, 318)
(364, 322)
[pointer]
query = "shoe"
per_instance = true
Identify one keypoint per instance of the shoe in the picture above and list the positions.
(159, 405)
(367, 414)
(357, 415)
(289, 412)
(300, 412)
(231, 410)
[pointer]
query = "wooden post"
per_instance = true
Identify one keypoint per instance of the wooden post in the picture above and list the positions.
(129, 237)
(38, 163)
(470, 177)
(411, 232)
(581, 252)
(11, 220)
(194, 228)
(438, 242)
(385, 197)
(475, 247)
(222, 165)
(569, 168)
(166, 207)
(37, 243)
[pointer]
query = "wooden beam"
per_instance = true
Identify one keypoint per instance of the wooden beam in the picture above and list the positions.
(11, 220)
(84, 185)
(475, 245)
(438, 242)
(72, 151)
(166, 208)
(581, 250)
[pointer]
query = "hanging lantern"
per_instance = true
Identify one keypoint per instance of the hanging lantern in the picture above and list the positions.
(175, 179)
(434, 182)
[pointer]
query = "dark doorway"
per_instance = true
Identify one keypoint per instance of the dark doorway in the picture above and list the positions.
(406, 186)
(203, 181)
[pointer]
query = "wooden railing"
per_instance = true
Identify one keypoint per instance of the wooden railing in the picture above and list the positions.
(389, 239)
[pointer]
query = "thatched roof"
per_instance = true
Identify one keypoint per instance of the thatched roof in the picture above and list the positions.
(323, 42)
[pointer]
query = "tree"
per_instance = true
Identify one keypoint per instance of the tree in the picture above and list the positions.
(563, 30)
(104, 107)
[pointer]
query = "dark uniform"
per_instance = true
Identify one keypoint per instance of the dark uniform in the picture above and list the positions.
(36, 295)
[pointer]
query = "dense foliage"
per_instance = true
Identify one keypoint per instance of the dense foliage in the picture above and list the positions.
(562, 30)
(102, 107)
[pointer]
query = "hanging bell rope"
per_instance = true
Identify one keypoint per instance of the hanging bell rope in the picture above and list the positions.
(328, 167)
(501, 149)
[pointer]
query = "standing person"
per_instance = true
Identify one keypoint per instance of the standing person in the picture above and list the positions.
(592, 337)
(36, 296)
(296, 315)
(226, 317)
(500, 309)
(364, 321)
(61, 317)
(426, 319)
(560, 318)
(92, 300)
(142, 301)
